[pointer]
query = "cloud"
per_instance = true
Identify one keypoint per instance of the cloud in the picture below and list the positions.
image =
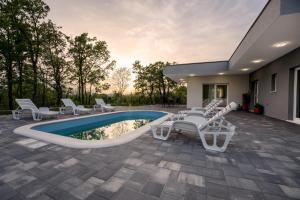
(167, 30)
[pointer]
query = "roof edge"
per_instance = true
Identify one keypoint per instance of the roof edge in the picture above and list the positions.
(240, 43)
(199, 63)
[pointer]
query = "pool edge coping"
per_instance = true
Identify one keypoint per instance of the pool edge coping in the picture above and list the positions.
(87, 144)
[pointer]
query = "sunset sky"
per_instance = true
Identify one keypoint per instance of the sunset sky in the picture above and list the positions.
(180, 31)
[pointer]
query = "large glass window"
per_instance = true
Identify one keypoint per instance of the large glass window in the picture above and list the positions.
(208, 93)
(297, 95)
(255, 91)
(214, 91)
(274, 82)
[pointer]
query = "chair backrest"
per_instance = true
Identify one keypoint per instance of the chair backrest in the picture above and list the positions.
(100, 102)
(213, 106)
(224, 111)
(27, 104)
(210, 104)
(68, 102)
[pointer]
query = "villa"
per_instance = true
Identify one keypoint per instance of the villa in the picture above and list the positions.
(266, 64)
(158, 152)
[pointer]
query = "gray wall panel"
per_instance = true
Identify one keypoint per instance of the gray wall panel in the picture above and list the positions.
(278, 104)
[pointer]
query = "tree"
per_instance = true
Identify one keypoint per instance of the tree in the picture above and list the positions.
(35, 12)
(9, 11)
(120, 80)
(90, 57)
(151, 82)
(163, 83)
(55, 58)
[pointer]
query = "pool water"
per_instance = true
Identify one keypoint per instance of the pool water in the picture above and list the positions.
(100, 127)
(110, 131)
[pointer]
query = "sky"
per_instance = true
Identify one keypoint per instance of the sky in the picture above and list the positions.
(181, 31)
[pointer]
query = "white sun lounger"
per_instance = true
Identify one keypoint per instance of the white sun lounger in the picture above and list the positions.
(26, 105)
(104, 107)
(69, 104)
(208, 111)
(216, 126)
(203, 109)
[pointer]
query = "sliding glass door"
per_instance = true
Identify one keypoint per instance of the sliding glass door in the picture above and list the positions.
(297, 95)
(215, 91)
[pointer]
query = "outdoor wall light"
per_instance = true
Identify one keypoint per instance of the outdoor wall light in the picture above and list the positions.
(257, 61)
(245, 69)
(280, 44)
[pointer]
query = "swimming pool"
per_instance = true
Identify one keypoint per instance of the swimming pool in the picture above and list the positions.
(94, 131)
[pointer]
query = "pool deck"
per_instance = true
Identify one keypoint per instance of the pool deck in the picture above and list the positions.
(261, 162)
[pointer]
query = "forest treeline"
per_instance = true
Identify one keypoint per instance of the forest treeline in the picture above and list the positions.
(40, 62)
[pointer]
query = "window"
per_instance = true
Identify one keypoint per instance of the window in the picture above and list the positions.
(273, 82)
(214, 91)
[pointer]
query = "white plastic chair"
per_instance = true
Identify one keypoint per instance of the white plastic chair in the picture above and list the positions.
(29, 106)
(207, 112)
(216, 126)
(104, 107)
(75, 109)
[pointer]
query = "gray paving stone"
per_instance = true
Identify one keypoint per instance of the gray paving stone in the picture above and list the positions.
(161, 175)
(216, 190)
(34, 189)
(70, 184)
(113, 184)
(68, 163)
(93, 196)
(167, 196)
(136, 186)
(124, 173)
(127, 193)
(243, 183)
(133, 161)
(175, 188)
(56, 193)
(23, 180)
(105, 173)
(140, 177)
(170, 165)
(217, 159)
(6, 192)
(153, 188)
(11, 176)
(291, 192)
(270, 188)
(192, 179)
(242, 194)
(83, 190)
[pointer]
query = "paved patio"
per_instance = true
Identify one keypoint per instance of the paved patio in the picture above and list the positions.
(262, 162)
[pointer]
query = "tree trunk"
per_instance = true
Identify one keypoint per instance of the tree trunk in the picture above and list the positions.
(58, 91)
(35, 80)
(20, 80)
(44, 92)
(9, 77)
(90, 97)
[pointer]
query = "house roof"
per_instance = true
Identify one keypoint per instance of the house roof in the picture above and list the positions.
(274, 33)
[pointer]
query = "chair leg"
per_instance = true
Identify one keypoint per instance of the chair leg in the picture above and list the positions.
(158, 132)
(36, 116)
(214, 146)
(16, 114)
